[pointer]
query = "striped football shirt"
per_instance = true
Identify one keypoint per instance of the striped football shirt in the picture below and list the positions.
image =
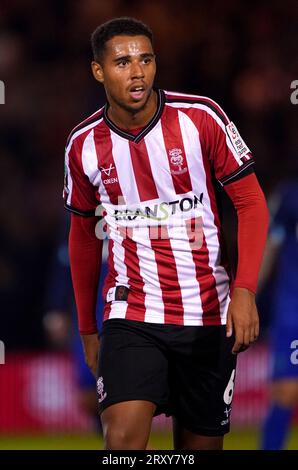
(155, 192)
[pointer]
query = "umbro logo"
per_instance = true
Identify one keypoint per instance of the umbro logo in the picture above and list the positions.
(107, 171)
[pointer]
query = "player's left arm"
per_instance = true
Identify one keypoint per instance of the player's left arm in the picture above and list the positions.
(253, 220)
(233, 166)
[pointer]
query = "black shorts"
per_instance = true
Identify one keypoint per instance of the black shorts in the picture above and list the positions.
(187, 371)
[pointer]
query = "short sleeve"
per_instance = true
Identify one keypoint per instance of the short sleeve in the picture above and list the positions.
(230, 156)
(79, 194)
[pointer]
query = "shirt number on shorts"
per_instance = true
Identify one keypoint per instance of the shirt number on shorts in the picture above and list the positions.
(229, 391)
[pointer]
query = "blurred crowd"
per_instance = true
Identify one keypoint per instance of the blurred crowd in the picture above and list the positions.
(242, 54)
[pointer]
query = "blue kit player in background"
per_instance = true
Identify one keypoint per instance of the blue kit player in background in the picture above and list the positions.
(282, 252)
(60, 320)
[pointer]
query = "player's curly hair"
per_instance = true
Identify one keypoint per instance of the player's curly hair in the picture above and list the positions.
(123, 26)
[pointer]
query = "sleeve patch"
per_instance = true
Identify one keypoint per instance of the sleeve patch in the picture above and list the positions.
(236, 140)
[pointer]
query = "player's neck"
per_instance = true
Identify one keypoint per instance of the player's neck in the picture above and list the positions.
(130, 120)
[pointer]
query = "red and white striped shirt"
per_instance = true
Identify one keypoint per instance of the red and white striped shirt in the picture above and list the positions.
(155, 189)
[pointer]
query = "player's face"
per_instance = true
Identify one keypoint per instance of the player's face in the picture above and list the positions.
(127, 71)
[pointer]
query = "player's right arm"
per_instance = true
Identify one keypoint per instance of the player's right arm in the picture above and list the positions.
(85, 249)
(85, 252)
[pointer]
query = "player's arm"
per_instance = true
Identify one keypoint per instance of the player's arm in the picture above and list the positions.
(85, 252)
(233, 167)
(84, 247)
(253, 219)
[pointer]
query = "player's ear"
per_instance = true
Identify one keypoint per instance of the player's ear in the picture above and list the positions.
(97, 71)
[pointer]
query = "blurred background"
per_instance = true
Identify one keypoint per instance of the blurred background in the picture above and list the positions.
(242, 55)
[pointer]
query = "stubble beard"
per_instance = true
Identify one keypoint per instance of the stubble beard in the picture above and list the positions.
(131, 110)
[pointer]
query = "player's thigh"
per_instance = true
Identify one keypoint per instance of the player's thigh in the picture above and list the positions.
(202, 379)
(131, 366)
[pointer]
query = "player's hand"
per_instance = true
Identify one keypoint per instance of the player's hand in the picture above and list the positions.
(91, 351)
(242, 319)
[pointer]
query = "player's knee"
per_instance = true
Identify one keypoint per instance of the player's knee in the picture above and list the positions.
(116, 439)
(122, 438)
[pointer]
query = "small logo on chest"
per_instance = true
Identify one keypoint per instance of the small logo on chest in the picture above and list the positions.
(107, 171)
(176, 161)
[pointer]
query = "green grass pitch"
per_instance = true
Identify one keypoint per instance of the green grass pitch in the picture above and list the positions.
(236, 440)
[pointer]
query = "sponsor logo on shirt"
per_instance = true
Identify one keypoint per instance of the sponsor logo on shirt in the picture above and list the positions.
(161, 211)
(110, 180)
(107, 171)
